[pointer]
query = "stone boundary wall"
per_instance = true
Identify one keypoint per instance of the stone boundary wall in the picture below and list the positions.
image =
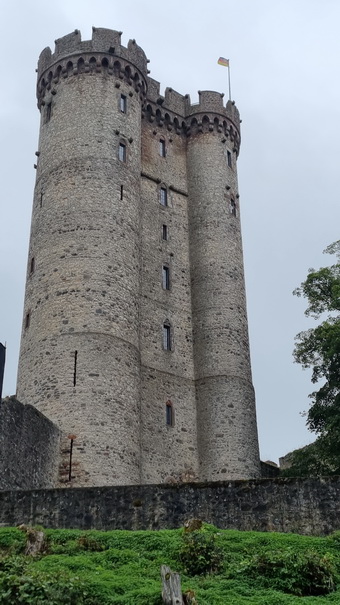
(29, 447)
(305, 506)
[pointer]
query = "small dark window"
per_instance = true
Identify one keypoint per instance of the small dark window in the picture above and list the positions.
(165, 234)
(48, 111)
(233, 207)
(41, 199)
(169, 414)
(122, 152)
(166, 337)
(27, 320)
(123, 103)
(32, 265)
(229, 159)
(75, 368)
(121, 192)
(162, 150)
(163, 196)
(165, 277)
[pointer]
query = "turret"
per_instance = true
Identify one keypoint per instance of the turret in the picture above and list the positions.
(80, 358)
(227, 433)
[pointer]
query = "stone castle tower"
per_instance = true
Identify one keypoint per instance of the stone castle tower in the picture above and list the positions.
(135, 339)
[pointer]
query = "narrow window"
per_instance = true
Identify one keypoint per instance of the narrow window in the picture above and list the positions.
(122, 152)
(121, 192)
(48, 111)
(169, 414)
(165, 277)
(163, 196)
(75, 368)
(229, 159)
(70, 461)
(165, 233)
(166, 337)
(32, 265)
(122, 103)
(41, 199)
(162, 150)
(27, 320)
(233, 207)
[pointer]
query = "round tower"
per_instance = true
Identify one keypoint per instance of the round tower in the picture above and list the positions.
(227, 432)
(80, 355)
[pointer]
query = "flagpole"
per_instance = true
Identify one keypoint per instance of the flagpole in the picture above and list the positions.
(226, 63)
(229, 85)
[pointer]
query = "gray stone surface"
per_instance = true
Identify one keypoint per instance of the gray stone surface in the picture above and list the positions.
(306, 506)
(29, 447)
(92, 357)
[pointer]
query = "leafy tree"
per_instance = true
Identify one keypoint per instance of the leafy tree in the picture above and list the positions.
(319, 349)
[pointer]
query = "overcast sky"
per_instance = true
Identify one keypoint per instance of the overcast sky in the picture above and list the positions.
(284, 57)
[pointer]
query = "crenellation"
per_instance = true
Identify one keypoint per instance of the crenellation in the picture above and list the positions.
(153, 89)
(105, 39)
(209, 101)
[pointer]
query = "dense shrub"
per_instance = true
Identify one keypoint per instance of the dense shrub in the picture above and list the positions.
(200, 553)
(300, 573)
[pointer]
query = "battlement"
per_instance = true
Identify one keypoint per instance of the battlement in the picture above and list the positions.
(72, 56)
(107, 41)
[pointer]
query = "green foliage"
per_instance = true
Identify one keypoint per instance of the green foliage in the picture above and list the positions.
(253, 568)
(200, 553)
(37, 589)
(319, 349)
(302, 574)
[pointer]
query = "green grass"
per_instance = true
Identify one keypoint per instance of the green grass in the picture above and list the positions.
(123, 568)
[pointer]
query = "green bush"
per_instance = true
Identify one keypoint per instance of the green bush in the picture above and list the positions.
(38, 589)
(200, 553)
(303, 574)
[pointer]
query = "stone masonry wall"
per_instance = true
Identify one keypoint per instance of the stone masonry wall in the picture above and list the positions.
(29, 447)
(306, 506)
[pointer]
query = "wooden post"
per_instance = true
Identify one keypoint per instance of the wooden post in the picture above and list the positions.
(171, 587)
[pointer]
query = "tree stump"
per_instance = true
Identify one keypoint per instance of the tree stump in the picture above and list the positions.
(171, 587)
(36, 542)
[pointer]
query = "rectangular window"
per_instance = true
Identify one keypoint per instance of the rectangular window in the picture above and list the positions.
(27, 320)
(163, 196)
(162, 150)
(48, 111)
(233, 207)
(229, 158)
(165, 278)
(165, 233)
(166, 337)
(122, 152)
(169, 415)
(32, 265)
(121, 192)
(122, 103)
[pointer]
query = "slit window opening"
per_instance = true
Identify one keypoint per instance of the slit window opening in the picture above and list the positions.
(163, 196)
(27, 320)
(162, 150)
(165, 233)
(165, 277)
(48, 111)
(75, 368)
(123, 103)
(229, 159)
(233, 210)
(166, 337)
(169, 417)
(121, 192)
(122, 152)
(32, 265)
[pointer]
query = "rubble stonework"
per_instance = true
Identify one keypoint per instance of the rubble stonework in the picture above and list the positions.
(110, 216)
